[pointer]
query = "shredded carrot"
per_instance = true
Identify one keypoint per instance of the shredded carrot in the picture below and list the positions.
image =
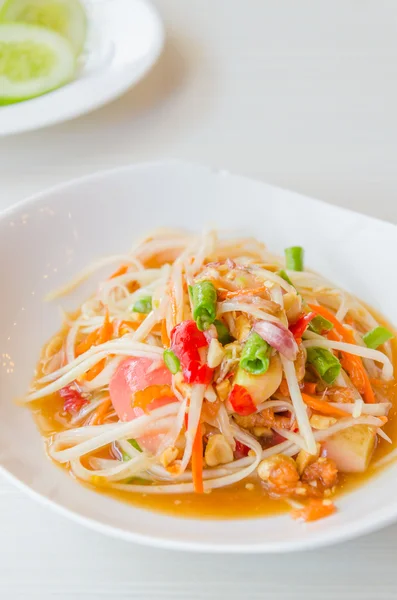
(309, 388)
(104, 335)
(156, 328)
(323, 407)
(96, 369)
(121, 271)
(165, 340)
(351, 363)
(100, 413)
(132, 286)
(197, 461)
(106, 331)
(87, 343)
(346, 334)
(352, 366)
(332, 335)
(126, 327)
(314, 510)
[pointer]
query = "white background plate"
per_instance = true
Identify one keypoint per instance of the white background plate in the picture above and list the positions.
(124, 39)
(56, 233)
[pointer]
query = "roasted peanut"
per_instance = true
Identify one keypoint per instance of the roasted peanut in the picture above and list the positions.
(216, 353)
(168, 456)
(218, 451)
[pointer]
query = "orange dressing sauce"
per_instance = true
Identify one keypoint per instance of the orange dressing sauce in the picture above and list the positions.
(234, 501)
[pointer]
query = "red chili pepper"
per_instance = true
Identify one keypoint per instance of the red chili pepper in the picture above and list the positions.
(241, 401)
(241, 450)
(72, 399)
(299, 328)
(186, 339)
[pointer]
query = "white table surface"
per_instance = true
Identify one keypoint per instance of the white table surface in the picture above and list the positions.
(300, 94)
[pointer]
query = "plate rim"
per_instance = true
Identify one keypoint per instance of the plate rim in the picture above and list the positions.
(179, 162)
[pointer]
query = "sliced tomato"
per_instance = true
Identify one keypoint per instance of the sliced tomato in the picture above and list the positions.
(241, 450)
(138, 386)
(134, 375)
(186, 339)
(72, 399)
(299, 328)
(241, 401)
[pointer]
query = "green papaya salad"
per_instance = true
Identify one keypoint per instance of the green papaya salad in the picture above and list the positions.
(205, 364)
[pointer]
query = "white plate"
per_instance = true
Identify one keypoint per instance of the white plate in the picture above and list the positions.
(124, 39)
(45, 240)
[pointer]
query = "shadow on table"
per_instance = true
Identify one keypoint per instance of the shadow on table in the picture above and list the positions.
(158, 86)
(150, 119)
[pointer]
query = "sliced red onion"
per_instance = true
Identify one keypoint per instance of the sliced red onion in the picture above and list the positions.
(278, 337)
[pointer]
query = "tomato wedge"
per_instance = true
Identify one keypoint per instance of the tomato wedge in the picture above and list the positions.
(186, 340)
(299, 328)
(241, 401)
(138, 386)
(133, 376)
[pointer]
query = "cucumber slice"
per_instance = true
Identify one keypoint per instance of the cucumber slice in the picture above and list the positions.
(33, 61)
(66, 17)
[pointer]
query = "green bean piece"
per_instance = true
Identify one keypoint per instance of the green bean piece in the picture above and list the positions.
(172, 362)
(281, 273)
(224, 336)
(143, 305)
(255, 357)
(203, 296)
(135, 445)
(325, 363)
(320, 325)
(376, 337)
(294, 258)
